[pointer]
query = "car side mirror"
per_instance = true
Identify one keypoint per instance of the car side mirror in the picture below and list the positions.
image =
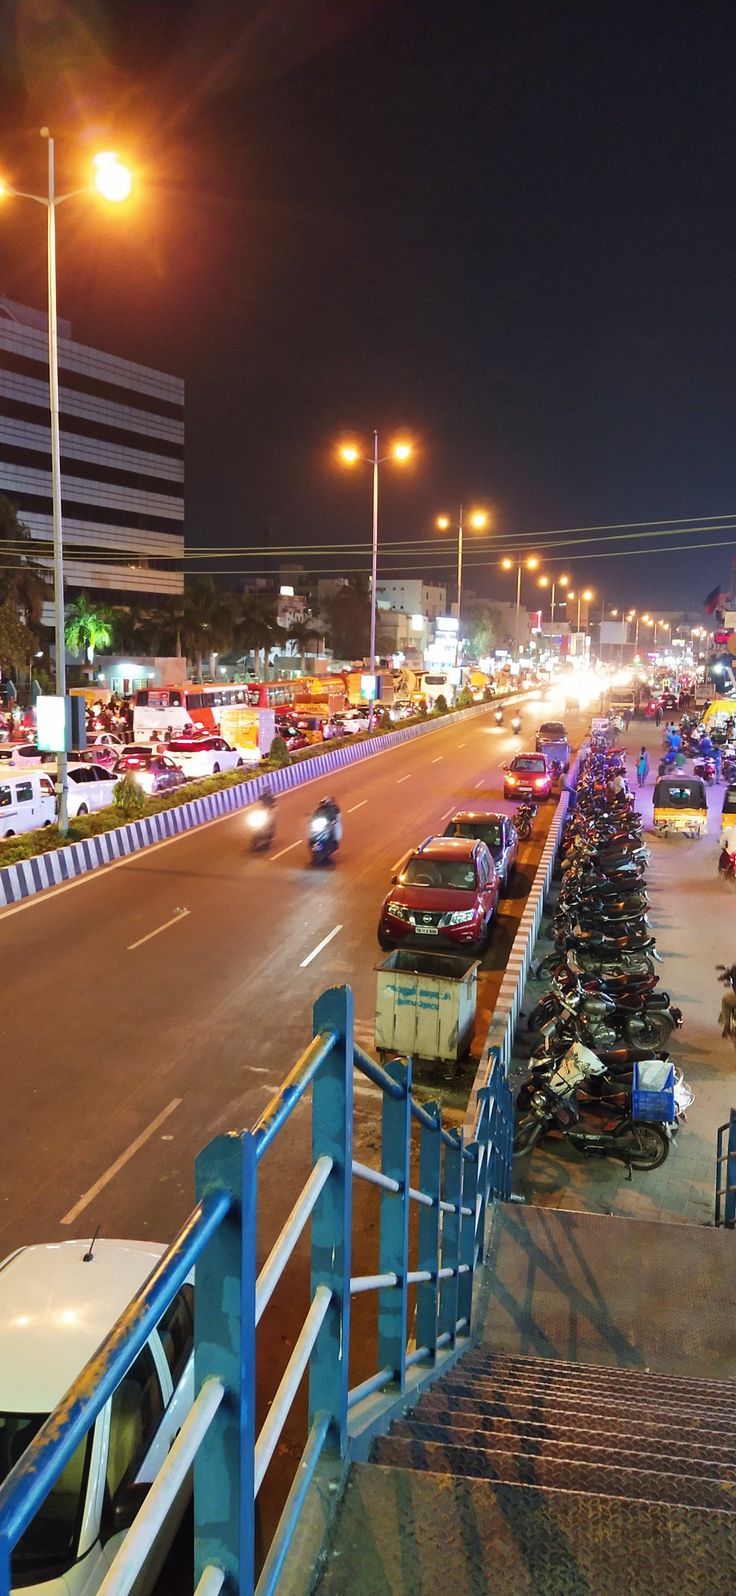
(394, 880)
(505, 767)
(126, 1505)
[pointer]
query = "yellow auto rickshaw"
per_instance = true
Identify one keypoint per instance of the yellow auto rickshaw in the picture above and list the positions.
(681, 804)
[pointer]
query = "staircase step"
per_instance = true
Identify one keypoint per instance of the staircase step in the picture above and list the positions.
(406, 1534)
(587, 1399)
(641, 1452)
(545, 1409)
(700, 1440)
(643, 1485)
(491, 1362)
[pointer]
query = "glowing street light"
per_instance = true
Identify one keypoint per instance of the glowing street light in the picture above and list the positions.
(350, 455)
(530, 564)
(554, 582)
(114, 182)
(478, 520)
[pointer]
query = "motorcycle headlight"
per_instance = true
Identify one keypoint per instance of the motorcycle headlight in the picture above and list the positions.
(462, 916)
(257, 819)
(317, 827)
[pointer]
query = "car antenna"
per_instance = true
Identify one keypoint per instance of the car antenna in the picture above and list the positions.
(88, 1256)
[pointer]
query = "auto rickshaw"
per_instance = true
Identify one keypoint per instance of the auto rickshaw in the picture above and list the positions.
(680, 804)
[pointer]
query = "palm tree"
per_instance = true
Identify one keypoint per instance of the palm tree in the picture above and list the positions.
(303, 633)
(88, 628)
(255, 625)
(208, 619)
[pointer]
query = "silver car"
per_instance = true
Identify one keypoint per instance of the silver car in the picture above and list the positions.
(497, 831)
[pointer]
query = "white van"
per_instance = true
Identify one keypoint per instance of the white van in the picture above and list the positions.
(27, 800)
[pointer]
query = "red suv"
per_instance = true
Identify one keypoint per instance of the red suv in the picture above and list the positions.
(527, 777)
(446, 896)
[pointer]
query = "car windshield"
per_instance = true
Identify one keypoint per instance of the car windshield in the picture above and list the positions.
(489, 831)
(552, 728)
(458, 874)
(524, 762)
(50, 1542)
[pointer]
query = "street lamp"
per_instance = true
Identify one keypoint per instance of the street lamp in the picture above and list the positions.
(531, 564)
(665, 627)
(478, 520)
(113, 181)
(350, 454)
(554, 583)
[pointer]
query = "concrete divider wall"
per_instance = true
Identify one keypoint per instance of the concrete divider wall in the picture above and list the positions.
(501, 1030)
(29, 876)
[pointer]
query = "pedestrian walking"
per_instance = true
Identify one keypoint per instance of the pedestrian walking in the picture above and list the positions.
(658, 715)
(642, 767)
(717, 761)
(627, 716)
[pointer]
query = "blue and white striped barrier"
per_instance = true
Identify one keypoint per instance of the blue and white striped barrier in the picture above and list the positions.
(29, 876)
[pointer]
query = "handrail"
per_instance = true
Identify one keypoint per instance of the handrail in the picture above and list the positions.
(284, 1101)
(455, 1187)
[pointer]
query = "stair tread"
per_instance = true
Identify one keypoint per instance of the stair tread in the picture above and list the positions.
(484, 1463)
(658, 1434)
(503, 1403)
(642, 1453)
(587, 1400)
(484, 1539)
(504, 1362)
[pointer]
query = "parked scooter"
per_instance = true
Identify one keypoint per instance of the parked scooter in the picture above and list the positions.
(524, 819)
(555, 1105)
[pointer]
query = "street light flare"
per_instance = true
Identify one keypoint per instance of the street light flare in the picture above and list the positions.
(507, 565)
(443, 523)
(113, 180)
(543, 581)
(349, 454)
(478, 520)
(587, 595)
(401, 451)
(563, 581)
(532, 563)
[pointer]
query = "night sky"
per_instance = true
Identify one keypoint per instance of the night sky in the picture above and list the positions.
(506, 230)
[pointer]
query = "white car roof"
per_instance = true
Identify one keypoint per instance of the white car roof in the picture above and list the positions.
(55, 1310)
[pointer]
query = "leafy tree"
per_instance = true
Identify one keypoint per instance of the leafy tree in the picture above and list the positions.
(16, 639)
(207, 620)
(278, 752)
(302, 633)
(485, 629)
(349, 620)
(87, 627)
(21, 580)
(128, 796)
(256, 628)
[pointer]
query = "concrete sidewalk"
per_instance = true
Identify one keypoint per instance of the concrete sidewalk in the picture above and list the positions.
(693, 915)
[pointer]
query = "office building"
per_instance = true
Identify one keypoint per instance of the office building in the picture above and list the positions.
(122, 458)
(413, 596)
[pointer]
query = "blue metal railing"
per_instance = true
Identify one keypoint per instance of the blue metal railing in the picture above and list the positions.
(456, 1186)
(726, 1174)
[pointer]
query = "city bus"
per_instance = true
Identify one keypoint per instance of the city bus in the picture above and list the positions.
(160, 712)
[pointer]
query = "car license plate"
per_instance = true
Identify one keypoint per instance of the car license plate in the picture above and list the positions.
(427, 930)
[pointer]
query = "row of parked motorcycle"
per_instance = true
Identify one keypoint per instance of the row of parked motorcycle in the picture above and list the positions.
(603, 1026)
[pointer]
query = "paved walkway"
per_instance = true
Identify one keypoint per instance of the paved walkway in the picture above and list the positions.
(693, 915)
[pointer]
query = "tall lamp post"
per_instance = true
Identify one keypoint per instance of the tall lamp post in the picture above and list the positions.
(530, 564)
(478, 519)
(350, 455)
(553, 583)
(113, 181)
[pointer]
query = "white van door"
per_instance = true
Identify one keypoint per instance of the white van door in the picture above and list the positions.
(8, 816)
(45, 801)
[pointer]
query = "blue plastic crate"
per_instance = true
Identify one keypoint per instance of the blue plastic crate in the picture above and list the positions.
(654, 1105)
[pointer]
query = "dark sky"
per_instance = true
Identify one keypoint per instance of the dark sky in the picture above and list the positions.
(504, 228)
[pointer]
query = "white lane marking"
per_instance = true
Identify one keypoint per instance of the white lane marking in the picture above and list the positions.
(403, 778)
(482, 782)
(353, 807)
(447, 813)
(181, 914)
(319, 947)
(438, 760)
(462, 745)
(257, 1069)
(120, 1162)
(282, 851)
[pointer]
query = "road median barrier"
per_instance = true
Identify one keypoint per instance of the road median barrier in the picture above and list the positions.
(58, 864)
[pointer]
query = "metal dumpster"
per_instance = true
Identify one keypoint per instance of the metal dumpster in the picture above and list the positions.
(425, 1004)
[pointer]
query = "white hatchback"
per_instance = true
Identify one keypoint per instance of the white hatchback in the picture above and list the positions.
(204, 756)
(56, 1306)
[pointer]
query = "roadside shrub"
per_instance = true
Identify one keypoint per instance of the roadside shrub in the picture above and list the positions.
(464, 699)
(386, 721)
(440, 704)
(278, 753)
(129, 798)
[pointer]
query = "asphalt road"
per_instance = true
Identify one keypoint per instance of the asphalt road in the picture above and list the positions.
(164, 998)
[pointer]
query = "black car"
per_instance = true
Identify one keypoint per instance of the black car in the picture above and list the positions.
(497, 831)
